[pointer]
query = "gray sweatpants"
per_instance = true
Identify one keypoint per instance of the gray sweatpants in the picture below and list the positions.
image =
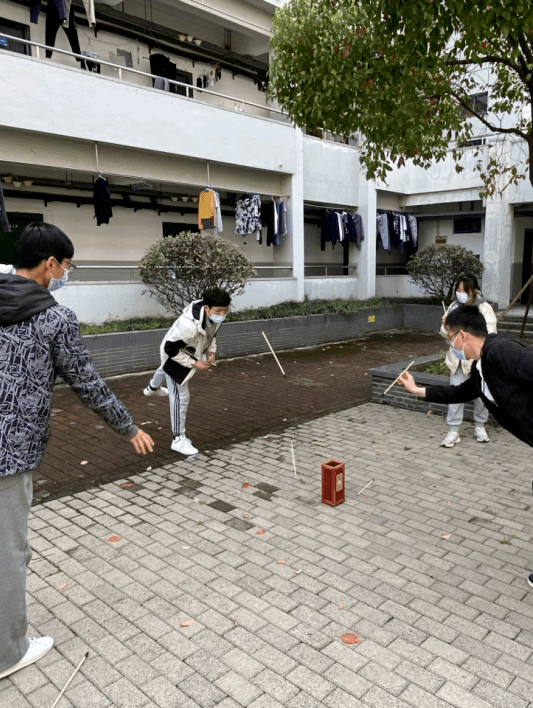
(456, 410)
(15, 500)
(178, 399)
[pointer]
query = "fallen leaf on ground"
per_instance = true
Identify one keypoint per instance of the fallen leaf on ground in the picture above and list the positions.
(84, 462)
(62, 587)
(244, 485)
(350, 638)
(260, 531)
(149, 468)
(341, 606)
(245, 516)
(429, 413)
(448, 503)
(112, 539)
(187, 623)
(298, 571)
(447, 536)
(128, 484)
(146, 422)
(282, 561)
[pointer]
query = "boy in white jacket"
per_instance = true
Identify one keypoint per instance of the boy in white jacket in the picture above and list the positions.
(189, 345)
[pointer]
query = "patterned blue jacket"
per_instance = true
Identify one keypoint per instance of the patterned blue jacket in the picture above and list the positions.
(40, 340)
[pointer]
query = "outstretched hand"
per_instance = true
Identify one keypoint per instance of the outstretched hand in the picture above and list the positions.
(405, 379)
(142, 442)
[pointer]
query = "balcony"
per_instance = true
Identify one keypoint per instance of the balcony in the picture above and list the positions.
(112, 110)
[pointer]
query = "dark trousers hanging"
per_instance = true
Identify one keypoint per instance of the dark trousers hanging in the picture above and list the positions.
(52, 25)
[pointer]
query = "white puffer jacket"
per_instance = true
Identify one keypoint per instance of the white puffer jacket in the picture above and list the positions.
(452, 361)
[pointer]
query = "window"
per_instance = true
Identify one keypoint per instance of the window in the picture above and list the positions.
(478, 103)
(17, 222)
(470, 225)
(14, 29)
(173, 228)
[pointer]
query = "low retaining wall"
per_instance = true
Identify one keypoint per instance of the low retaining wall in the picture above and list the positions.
(383, 376)
(126, 352)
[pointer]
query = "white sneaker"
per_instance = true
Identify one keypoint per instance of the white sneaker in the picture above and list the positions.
(161, 391)
(39, 647)
(184, 446)
(451, 439)
(481, 434)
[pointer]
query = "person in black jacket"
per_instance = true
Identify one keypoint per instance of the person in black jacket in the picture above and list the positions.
(39, 340)
(502, 375)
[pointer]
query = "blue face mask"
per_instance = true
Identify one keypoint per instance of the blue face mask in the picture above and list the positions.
(56, 283)
(459, 353)
(462, 298)
(217, 319)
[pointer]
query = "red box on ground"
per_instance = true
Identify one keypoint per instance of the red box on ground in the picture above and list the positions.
(332, 482)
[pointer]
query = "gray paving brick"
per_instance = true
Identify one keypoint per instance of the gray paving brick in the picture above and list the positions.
(497, 696)
(310, 682)
(203, 692)
(276, 686)
(237, 687)
(459, 697)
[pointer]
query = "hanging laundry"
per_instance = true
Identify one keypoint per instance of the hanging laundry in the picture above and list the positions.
(330, 231)
(102, 201)
(219, 223)
(413, 226)
(282, 210)
(4, 223)
(272, 224)
(383, 231)
(207, 209)
(248, 214)
(161, 83)
(64, 8)
(56, 18)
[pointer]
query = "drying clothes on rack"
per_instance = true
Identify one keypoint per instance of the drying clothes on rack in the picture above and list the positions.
(248, 214)
(102, 201)
(207, 209)
(4, 223)
(341, 226)
(276, 222)
(54, 22)
(397, 230)
(63, 8)
(220, 225)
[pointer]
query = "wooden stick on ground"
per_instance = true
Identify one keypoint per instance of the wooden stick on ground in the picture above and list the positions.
(70, 679)
(274, 354)
(396, 379)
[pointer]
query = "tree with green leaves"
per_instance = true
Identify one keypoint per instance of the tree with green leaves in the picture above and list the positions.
(177, 269)
(411, 75)
(435, 269)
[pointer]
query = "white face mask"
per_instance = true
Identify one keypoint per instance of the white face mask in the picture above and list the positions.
(217, 319)
(56, 283)
(462, 298)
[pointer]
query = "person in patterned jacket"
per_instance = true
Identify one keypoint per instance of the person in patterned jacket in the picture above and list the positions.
(39, 340)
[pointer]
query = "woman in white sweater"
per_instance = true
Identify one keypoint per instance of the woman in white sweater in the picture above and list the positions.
(467, 292)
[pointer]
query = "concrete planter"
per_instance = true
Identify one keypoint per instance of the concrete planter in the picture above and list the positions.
(383, 376)
(126, 352)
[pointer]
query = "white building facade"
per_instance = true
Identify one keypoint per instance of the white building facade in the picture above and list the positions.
(62, 125)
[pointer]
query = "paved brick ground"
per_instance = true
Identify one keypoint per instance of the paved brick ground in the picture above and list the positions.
(428, 567)
(235, 401)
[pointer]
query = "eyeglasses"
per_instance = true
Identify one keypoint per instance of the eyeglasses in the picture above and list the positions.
(70, 267)
(452, 337)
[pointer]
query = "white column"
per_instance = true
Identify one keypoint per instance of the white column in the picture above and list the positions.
(366, 269)
(498, 250)
(296, 216)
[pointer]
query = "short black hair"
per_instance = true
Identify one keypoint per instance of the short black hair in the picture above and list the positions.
(37, 242)
(216, 297)
(469, 281)
(469, 319)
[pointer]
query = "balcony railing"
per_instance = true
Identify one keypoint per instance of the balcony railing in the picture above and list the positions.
(131, 273)
(240, 104)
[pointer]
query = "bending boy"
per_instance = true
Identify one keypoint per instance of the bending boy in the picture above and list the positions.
(188, 346)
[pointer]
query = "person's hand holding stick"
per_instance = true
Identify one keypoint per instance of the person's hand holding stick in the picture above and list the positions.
(408, 382)
(396, 379)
